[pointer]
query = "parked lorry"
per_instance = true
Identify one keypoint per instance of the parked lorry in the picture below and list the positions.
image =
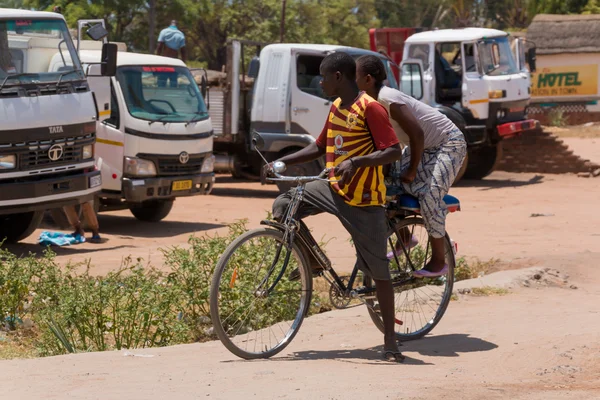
(475, 76)
(280, 97)
(156, 144)
(47, 120)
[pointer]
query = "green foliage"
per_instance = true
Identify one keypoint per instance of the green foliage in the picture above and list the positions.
(557, 117)
(135, 306)
(592, 7)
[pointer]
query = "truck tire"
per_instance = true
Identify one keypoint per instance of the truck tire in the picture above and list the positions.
(482, 161)
(308, 169)
(16, 227)
(152, 211)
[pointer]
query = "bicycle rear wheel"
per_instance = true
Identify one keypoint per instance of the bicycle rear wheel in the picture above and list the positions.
(255, 309)
(420, 304)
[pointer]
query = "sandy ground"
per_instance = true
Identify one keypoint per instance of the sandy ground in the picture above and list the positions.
(541, 341)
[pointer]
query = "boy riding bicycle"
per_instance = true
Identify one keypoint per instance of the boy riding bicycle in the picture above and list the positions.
(357, 141)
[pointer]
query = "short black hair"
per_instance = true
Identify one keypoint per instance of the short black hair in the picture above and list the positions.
(372, 65)
(342, 62)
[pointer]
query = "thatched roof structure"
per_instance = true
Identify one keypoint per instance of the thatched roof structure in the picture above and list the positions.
(555, 34)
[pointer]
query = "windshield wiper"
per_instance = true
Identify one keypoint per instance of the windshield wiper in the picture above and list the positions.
(63, 74)
(193, 119)
(16, 76)
(161, 119)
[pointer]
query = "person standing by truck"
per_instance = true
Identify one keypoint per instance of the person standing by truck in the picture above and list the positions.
(171, 42)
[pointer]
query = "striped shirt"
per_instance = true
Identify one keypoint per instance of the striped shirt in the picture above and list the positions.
(357, 130)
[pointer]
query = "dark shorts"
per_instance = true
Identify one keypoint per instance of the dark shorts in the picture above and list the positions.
(367, 226)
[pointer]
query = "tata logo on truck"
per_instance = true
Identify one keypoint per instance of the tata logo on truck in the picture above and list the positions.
(56, 129)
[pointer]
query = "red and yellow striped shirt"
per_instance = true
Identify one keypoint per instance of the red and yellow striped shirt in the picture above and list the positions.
(357, 130)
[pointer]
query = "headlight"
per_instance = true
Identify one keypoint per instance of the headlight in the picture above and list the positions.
(208, 165)
(8, 162)
(500, 114)
(88, 151)
(139, 167)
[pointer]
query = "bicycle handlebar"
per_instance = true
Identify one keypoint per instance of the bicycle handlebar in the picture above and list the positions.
(300, 179)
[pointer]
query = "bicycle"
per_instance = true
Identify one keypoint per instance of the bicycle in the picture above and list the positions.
(266, 287)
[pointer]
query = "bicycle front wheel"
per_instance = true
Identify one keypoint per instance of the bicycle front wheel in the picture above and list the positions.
(255, 308)
(420, 304)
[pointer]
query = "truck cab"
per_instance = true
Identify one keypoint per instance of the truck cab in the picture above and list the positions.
(157, 142)
(281, 98)
(474, 77)
(48, 121)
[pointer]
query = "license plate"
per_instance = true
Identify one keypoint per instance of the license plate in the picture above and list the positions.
(95, 181)
(182, 185)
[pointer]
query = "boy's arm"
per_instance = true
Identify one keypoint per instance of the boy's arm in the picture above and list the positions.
(407, 121)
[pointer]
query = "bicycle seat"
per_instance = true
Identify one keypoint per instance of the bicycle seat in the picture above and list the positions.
(411, 203)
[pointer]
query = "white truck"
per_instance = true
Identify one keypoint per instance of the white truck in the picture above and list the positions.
(473, 76)
(281, 98)
(48, 118)
(156, 144)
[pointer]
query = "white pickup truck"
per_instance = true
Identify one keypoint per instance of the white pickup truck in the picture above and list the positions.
(157, 140)
(280, 98)
(48, 117)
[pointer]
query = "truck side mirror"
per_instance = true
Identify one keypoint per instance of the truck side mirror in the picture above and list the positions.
(203, 86)
(531, 59)
(411, 79)
(97, 32)
(108, 61)
(253, 67)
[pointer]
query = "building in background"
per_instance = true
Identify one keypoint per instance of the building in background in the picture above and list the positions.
(567, 76)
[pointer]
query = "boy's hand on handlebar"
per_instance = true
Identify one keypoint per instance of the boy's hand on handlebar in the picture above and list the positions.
(346, 169)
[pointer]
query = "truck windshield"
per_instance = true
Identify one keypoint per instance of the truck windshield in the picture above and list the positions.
(496, 57)
(37, 51)
(161, 93)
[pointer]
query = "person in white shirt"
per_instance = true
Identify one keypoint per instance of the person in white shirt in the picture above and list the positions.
(435, 150)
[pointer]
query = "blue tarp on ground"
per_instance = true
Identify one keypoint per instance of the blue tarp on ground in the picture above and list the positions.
(48, 238)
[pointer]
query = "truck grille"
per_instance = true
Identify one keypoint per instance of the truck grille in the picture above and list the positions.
(36, 154)
(169, 165)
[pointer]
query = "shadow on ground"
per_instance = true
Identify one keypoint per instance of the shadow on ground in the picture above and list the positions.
(24, 249)
(490, 183)
(241, 192)
(128, 226)
(432, 346)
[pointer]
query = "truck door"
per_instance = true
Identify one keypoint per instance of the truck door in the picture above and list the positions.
(475, 96)
(110, 145)
(309, 107)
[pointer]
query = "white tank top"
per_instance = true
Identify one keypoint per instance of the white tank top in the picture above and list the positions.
(436, 125)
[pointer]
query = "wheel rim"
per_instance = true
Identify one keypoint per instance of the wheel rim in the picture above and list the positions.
(255, 321)
(420, 303)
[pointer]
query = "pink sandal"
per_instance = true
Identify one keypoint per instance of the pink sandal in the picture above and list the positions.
(423, 273)
(398, 252)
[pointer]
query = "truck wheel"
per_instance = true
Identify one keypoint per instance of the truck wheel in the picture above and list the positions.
(462, 170)
(152, 211)
(16, 227)
(482, 161)
(308, 169)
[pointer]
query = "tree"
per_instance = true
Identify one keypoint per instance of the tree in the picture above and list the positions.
(591, 7)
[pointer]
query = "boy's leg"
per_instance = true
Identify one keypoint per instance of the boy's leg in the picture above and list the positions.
(385, 297)
(448, 160)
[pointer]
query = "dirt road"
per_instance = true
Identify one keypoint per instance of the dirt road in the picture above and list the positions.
(541, 341)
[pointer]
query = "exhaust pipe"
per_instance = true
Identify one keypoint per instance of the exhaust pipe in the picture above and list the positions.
(224, 163)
